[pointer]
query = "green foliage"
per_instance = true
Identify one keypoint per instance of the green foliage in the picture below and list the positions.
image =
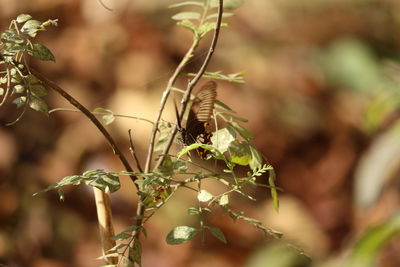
(105, 181)
(15, 44)
(365, 251)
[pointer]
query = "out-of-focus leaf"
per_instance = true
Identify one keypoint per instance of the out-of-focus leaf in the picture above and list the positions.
(215, 231)
(187, 3)
(376, 167)
(204, 196)
(365, 251)
(224, 200)
(181, 234)
(352, 64)
(38, 104)
(23, 17)
(187, 15)
(279, 255)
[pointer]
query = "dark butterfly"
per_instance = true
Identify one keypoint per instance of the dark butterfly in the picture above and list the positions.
(199, 117)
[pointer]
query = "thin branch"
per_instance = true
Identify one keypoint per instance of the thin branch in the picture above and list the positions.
(133, 152)
(192, 83)
(90, 116)
(8, 87)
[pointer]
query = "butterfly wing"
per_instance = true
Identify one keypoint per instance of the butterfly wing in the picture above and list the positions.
(200, 112)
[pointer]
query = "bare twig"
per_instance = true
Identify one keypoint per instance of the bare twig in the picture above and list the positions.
(133, 152)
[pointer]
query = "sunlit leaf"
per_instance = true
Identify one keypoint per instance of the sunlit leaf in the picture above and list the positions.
(38, 104)
(23, 17)
(239, 153)
(187, 15)
(204, 196)
(222, 138)
(181, 234)
(224, 200)
(187, 3)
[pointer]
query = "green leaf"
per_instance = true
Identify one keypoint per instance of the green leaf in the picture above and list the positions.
(206, 28)
(188, 25)
(181, 234)
(41, 52)
(31, 27)
(18, 89)
(135, 253)
(187, 149)
(215, 231)
(1, 91)
(107, 182)
(38, 90)
(215, 15)
(222, 105)
(365, 251)
(256, 159)
(193, 211)
(241, 130)
(204, 196)
(121, 236)
(186, 15)
(222, 139)
(274, 192)
(240, 153)
(187, 3)
(38, 104)
(23, 17)
(108, 115)
(224, 200)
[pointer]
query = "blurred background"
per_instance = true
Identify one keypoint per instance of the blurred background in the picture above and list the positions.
(322, 99)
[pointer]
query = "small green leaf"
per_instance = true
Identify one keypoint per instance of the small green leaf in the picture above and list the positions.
(1, 91)
(23, 17)
(204, 196)
(186, 15)
(38, 90)
(215, 15)
(121, 236)
(274, 192)
(31, 27)
(365, 251)
(222, 139)
(135, 253)
(241, 130)
(41, 52)
(240, 153)
(222, 105)
(187, 3)
(224, 200)
(188, 25)
(215, 231)
(38, 104)
(181, 234)
(193, 211)
(18, 89)
(256, 159)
